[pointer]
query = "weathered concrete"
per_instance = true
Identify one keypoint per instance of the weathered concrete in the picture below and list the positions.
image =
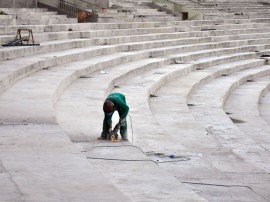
(157, 184)
(39, 163)
(51, 110)
(18, 4)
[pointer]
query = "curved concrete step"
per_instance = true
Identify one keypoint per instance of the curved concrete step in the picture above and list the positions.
(60, 77)
(82, 26)
(13, 72)
(242, 13)
(69, 76)
(181, 123)
(34, 17)
(134, 14)
(175, 191)
(8, 53)
(43, 15)
(15, 52)
(109, 26)
(208, 102)
(149, 135)
(238, 15)
(137, 90)
(222, 21)
(184, 86)
(230, 26)
(64, 74)
(264, 107)
(99, 85)
(23, 10)
(57, 79)
(40, 163)
(236, 9)
(88, 101)
(60, 35)
(242, 107)
(31, 21)
(138, 18)
(204, 58)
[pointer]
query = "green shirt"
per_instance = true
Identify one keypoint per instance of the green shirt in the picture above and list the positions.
(120, 105)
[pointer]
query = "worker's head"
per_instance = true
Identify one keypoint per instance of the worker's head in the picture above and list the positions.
(108, 107)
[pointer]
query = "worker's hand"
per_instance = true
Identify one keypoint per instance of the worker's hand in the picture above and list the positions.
(122, 122)
(110, 130)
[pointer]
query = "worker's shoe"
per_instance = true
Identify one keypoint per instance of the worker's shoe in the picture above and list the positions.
(102, 137)
(124, 137)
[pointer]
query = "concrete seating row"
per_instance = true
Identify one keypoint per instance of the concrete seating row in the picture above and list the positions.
(42, 15)
(5, 30)
(223, 3)
(264, 106)
(255, 2)
(38, 21)
(136, 89)
(80, 26)
(95, 92)
(56, 45)
(58, 59)
(214, 10)
(97, 85)
(179, 122)
(129, 11)
(46, 60)
(39, 163)
(79, 34)
(39, 106)
(203, 107)
(174, 190)
(94, 86)
(37, 17)
(181, 127)
(69, 30)
(23, 10)
(137, 18)
(67, 87)
(64, 58)
(250, 195)
(101, 80)
(247, 116)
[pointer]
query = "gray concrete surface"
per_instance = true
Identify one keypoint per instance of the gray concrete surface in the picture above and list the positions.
(40, 163)
(155, 184)
(177, 77)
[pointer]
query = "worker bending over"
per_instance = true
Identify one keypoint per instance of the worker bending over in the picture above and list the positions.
(114, 102)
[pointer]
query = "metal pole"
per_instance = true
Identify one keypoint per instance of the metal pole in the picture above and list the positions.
(13, 4)
(36, 3)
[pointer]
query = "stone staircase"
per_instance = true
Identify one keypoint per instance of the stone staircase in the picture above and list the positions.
(197, 90)
(214, 10)
(133, 11)
(24, 16)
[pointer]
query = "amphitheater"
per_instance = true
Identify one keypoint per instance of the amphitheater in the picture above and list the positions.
(196, 76)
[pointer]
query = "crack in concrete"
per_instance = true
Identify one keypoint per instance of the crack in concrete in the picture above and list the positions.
(18, 190)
